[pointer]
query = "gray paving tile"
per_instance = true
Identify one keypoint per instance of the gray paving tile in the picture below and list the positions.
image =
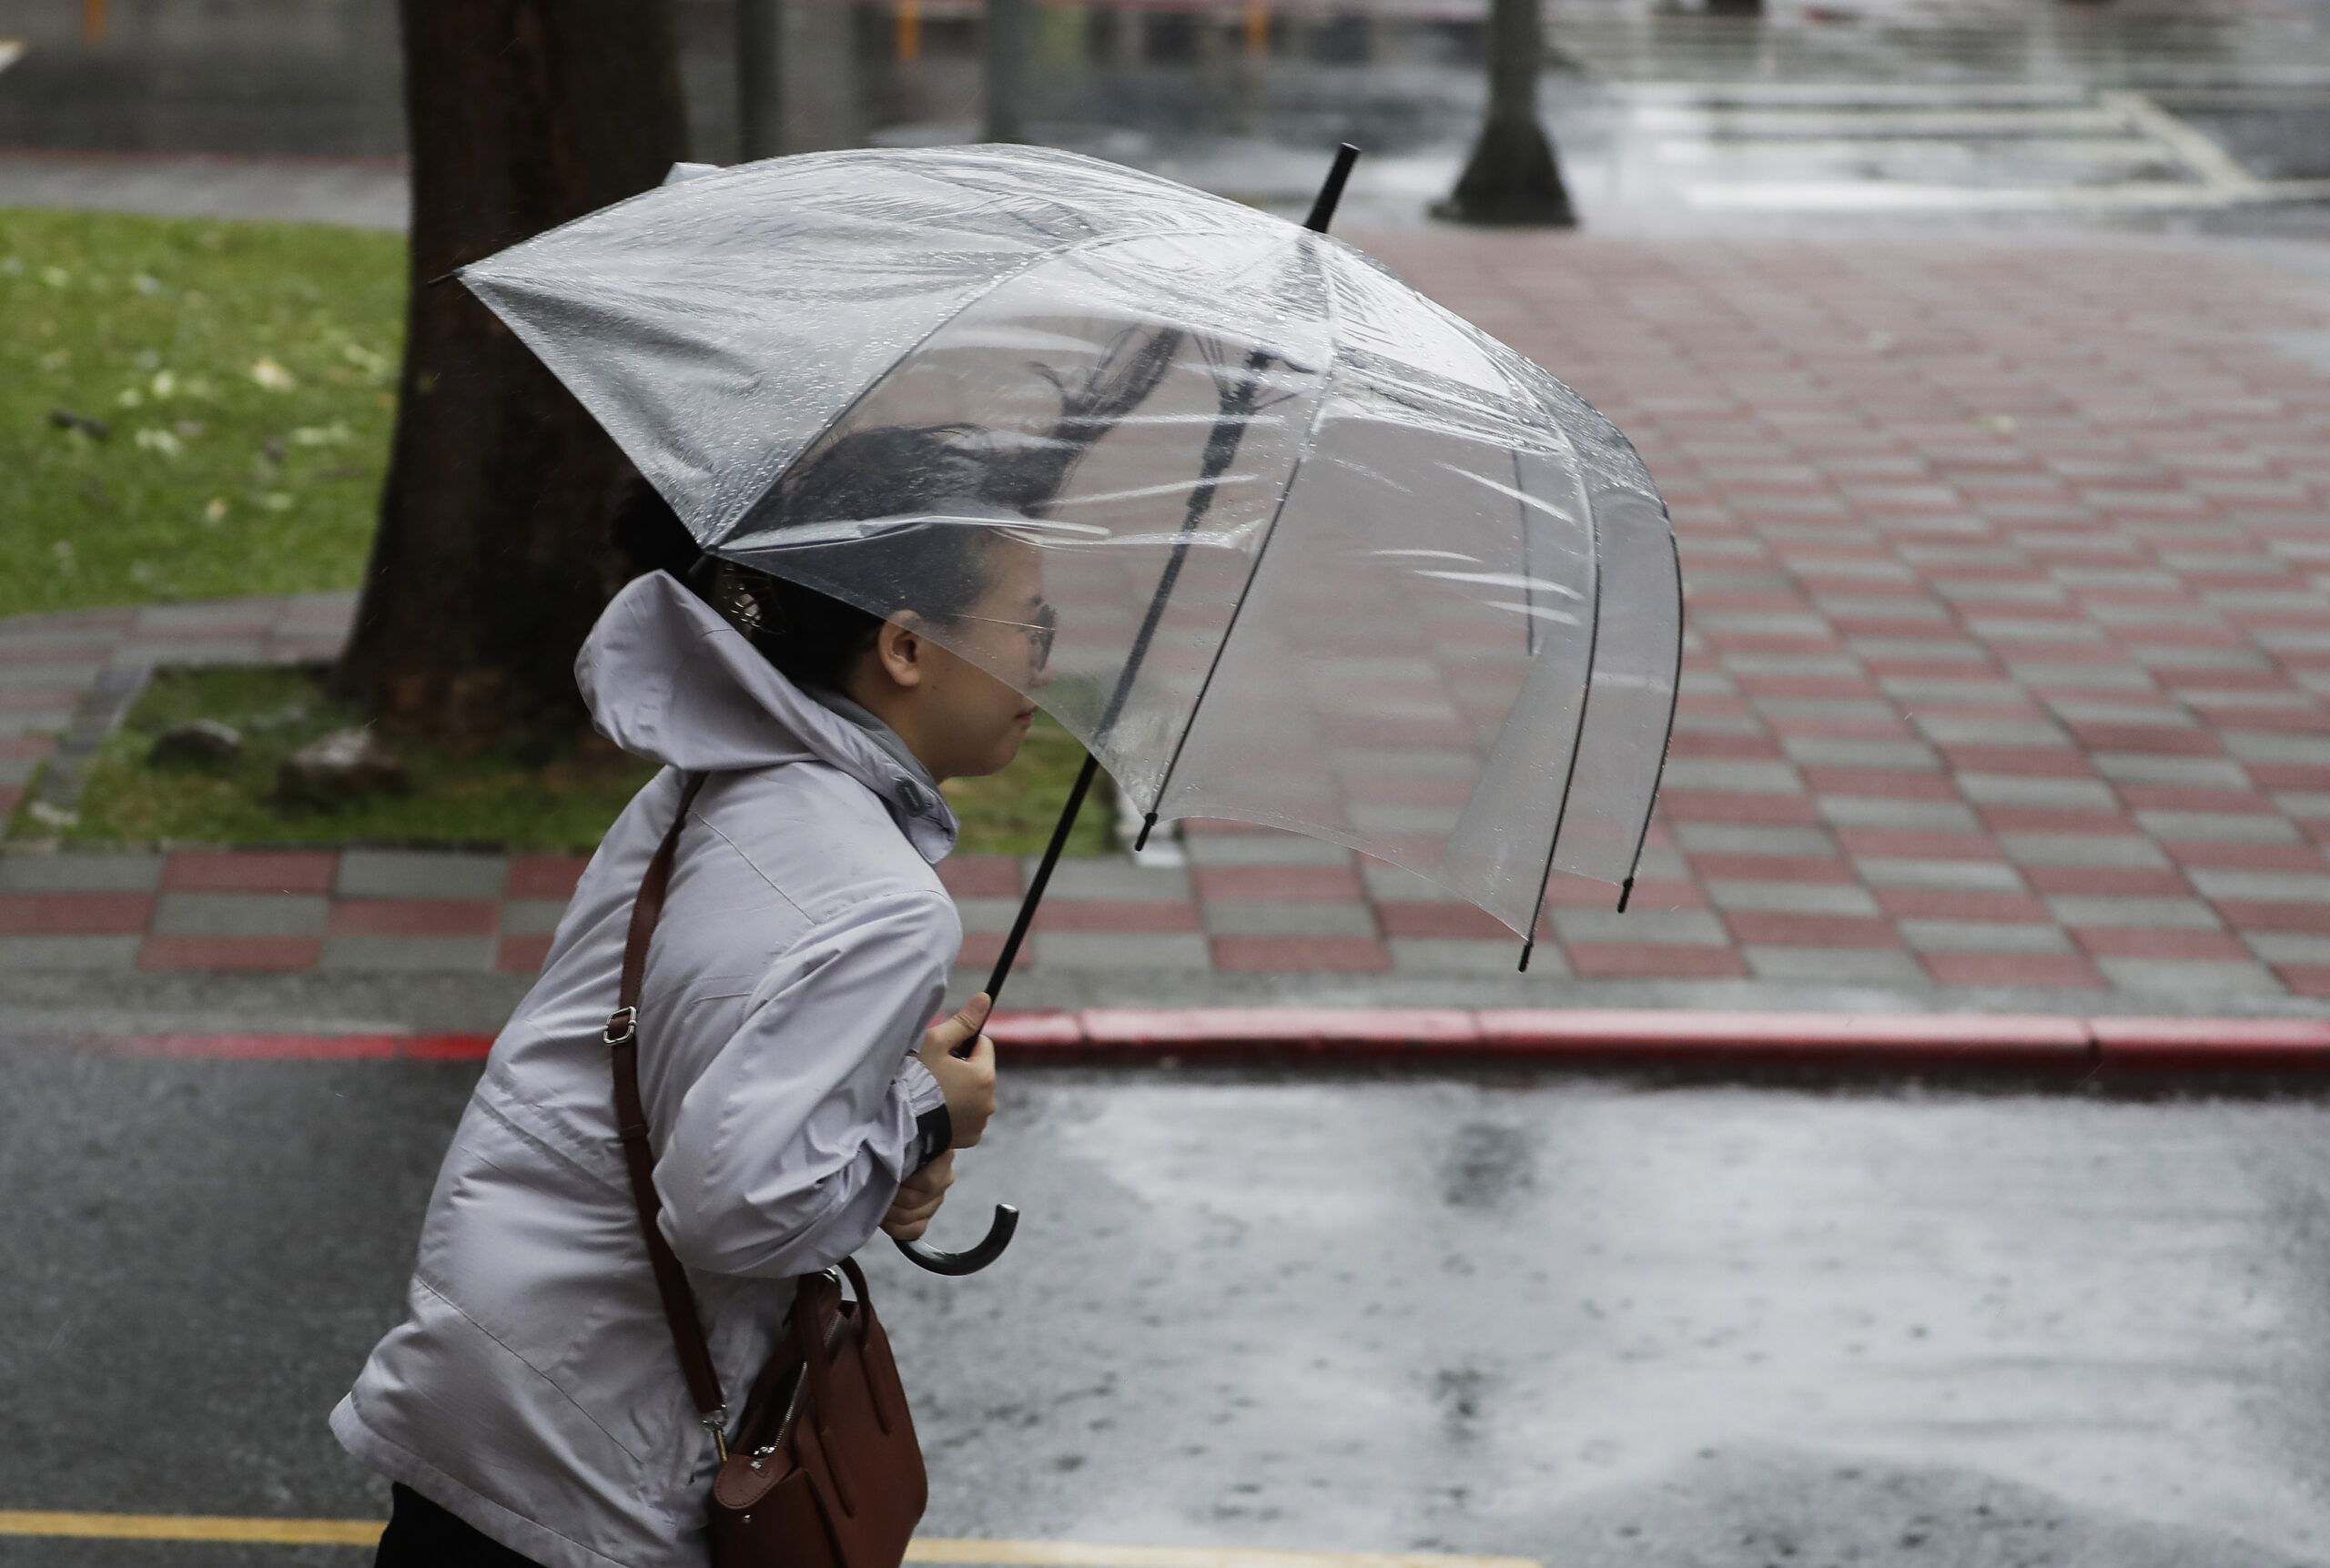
(2135, 914)
(1764, 622)
(1984, 937)
(2306, 805)
(1949, 731)
(2219, 827)
(1267, 917)
(1951, 650)
(1111, 878)
(1892, 756)
(1791, 898)
(420, 873)
(1958, 876)
(2191, 978)
(1791, 664)
(1663, 927)
(1886, 811)
(2262, 886)
(74, 675)
(2083, 849)
(26, 953)
(1471, 956)
(408, 953)
(2275, 746)
(990, 915)
(1391, 882)
(240, 914)
(1733, 774)
(534, 917)
(1688, 723)
(2038, 789)
(1262, 849)
(2149, 715)
(73, 871)
(1872, 710)
(2181, 656)
(1849, 966)
(2084, 677)
(2288, 947)
(1745, 838)
(2157, 768)
(1095, 950)
(1388, 818)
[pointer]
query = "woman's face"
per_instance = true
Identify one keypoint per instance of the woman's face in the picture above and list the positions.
(958, 719)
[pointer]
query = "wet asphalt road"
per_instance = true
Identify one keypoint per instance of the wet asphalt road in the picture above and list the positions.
(1586, 1322)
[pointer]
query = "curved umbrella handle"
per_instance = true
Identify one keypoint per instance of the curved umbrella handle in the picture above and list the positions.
(998, 1236)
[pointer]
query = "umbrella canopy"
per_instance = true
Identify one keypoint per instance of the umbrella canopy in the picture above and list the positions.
(1277, 538)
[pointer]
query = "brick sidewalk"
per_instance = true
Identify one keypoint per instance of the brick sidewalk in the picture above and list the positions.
(2006, 666)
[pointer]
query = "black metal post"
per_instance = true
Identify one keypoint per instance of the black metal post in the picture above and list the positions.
(760, 78)
(1003, 44)
(1512, 176)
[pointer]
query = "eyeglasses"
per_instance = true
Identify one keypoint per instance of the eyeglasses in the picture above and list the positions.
(1041, 632)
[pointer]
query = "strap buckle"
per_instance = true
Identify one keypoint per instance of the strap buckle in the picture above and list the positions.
(716, 1423)
(622, 1024)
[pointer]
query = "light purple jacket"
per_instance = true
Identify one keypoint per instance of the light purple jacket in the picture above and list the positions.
(533, 1390)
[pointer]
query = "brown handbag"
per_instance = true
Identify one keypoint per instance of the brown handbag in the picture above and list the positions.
(822, 1471)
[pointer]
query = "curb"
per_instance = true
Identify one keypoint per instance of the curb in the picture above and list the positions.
(1883, 1044)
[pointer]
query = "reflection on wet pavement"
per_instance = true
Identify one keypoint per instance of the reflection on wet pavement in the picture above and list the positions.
(1601, 1325)
(2091, 107)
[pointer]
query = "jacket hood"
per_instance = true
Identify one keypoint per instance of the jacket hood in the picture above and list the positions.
(668, 680)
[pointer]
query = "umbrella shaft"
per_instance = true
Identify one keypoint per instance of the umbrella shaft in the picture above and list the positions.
(1065, 825)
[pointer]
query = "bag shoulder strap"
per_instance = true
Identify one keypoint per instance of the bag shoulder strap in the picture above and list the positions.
(630, 1126)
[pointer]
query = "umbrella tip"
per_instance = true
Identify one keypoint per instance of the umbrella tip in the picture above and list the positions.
(1140, 840)
(1626, 894)
(1527, 947)
(1331, 194)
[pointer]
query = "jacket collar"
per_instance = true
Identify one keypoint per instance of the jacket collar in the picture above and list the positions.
(667, 678)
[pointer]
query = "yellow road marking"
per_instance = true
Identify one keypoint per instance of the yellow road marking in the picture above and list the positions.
(196, 1527)
(922, 1549)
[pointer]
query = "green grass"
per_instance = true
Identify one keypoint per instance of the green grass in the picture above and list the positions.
(247, 371)
(562, 801)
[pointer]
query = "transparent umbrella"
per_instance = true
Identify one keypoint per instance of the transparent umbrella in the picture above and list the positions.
(1280, 540)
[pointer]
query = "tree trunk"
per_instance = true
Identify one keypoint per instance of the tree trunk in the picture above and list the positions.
(496, 547)
(1512, 177)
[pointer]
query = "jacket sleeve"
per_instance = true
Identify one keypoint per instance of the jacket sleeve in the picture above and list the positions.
(789, 1148)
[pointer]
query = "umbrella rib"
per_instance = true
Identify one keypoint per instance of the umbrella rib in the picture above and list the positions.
(1222, 447)
(1295, 477)
(1673, 699)
(1578, 737)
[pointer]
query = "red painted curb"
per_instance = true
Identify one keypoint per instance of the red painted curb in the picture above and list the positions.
(1865, 1042)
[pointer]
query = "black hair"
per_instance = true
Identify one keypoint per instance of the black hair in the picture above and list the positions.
(899, 470)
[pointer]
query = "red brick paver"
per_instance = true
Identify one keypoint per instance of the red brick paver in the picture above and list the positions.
(2008, 645)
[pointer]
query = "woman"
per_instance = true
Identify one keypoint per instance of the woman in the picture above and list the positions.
(530, 1408)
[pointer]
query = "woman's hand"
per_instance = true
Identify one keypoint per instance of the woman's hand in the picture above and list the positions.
(918, 1198)
(968, 1080)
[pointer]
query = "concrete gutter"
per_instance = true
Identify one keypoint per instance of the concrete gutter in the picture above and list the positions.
(1721, 1044)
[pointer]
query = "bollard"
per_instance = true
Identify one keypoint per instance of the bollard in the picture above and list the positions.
(93, 23)
(1258, 28)
(760, 78)
(909, 40)
(1003, 44)
(1514, 175)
